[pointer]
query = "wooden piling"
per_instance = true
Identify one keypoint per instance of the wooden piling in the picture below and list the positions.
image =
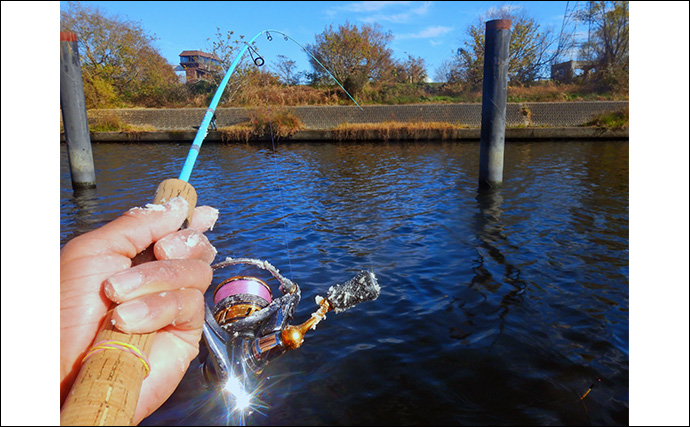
(494, 98)
(74, 120)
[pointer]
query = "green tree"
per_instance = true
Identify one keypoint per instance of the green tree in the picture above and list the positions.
(608, 45)
(355, 56)
(120, 64)
(530, 50)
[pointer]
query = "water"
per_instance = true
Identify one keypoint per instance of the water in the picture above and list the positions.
(496, 309)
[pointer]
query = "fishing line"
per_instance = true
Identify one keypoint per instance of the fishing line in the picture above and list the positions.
(259, 61)
(208, 116)
(275, 169)
(287, 37)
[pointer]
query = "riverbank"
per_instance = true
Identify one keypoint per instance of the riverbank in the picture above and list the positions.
(326, 135)
(534, 120)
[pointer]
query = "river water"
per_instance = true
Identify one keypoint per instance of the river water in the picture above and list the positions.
(496, 309)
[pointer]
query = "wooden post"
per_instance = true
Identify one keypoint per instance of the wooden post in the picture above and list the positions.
(494, 97)
(73, 106)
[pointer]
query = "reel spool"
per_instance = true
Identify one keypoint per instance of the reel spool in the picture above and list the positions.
(239, 297)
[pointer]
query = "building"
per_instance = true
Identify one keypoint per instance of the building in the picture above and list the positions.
(197, 64)
(565, 71)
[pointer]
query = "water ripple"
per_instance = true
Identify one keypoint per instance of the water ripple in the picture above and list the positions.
(496, 308)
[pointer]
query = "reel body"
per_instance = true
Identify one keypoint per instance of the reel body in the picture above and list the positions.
(242, 330)
(247, 328)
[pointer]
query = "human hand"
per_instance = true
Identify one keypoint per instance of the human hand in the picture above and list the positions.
(163, 296)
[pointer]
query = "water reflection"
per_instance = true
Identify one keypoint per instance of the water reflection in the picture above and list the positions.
(496, 278)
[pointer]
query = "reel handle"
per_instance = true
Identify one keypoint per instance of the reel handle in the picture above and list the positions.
(361, 288)
(106, 390)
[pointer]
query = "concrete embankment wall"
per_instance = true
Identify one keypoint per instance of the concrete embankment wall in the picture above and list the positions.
(552, 114)
(529, 119)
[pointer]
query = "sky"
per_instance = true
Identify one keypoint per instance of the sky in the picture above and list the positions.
(432, 30)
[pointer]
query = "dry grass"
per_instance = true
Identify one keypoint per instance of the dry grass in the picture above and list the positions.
(279, 123)
(395, 130)
(239, 132)
(111, 122)
(549, 91)
(256, 96)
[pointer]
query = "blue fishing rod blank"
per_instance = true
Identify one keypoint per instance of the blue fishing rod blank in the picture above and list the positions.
(208, 116)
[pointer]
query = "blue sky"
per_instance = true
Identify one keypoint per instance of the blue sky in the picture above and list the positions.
(431, 30)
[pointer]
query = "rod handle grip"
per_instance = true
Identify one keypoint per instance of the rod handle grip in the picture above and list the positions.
(171, 188)
(106, 390)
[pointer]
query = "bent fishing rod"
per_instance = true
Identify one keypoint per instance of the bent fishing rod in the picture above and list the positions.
(106, 390)
(208, 116)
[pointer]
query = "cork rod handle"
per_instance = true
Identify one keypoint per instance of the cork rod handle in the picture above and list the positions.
(106, 390)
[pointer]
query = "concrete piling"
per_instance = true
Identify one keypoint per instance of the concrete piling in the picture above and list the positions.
(494, 98)
(74, 120)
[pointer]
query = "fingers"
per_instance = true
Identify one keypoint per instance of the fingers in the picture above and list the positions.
(129, 234)
(185, 244)
(181, 308)
(158, 276)
(168, 291)
(204, 218)
(161, 293)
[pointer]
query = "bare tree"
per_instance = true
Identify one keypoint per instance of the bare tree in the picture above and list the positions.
(411, 70)
(531, 49)
(286, 70)
(608, 46)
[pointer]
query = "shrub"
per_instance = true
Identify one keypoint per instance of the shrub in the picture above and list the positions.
(106, 122)
(618, 119)
(277, 123)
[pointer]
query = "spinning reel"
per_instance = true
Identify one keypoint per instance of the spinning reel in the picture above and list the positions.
(246, 328)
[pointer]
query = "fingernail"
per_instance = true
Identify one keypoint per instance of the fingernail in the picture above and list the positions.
(179, 245)
(132, 312)
(215, 214)
(125, 282)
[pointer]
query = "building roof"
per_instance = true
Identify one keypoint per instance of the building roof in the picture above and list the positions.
(199, 53)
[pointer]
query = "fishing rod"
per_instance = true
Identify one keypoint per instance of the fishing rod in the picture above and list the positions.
(106, 390)
(208, 116)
